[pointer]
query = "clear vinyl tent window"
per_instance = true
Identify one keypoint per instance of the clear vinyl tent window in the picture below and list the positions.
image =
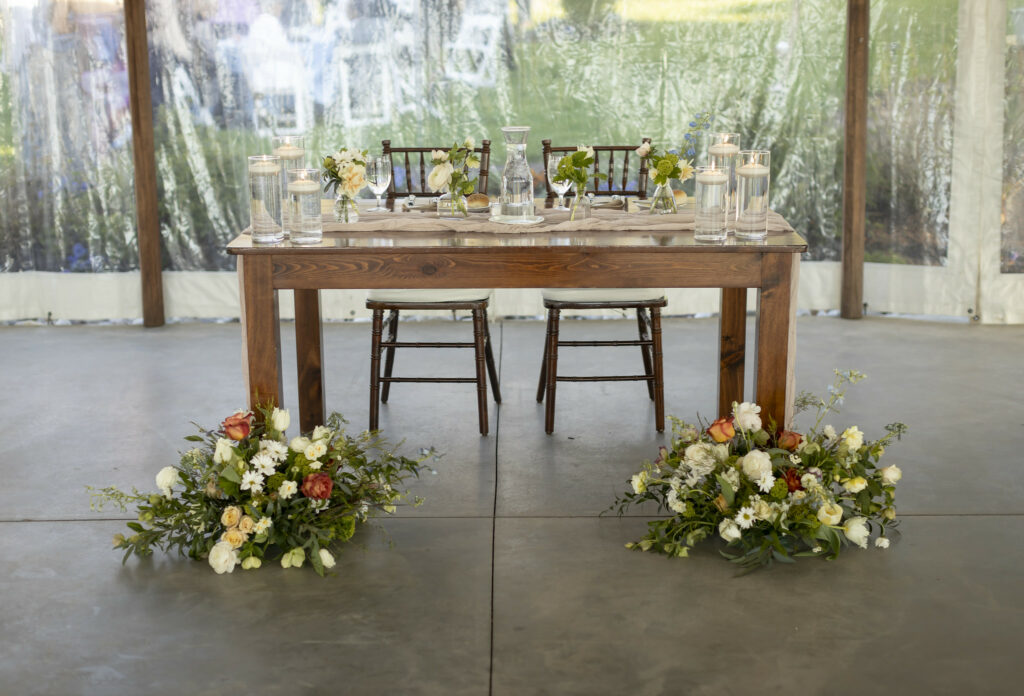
(1012, 218)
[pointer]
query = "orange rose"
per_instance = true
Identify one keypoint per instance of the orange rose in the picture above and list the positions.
(793, 480)
(317, 486)
(788, 440)
(237, 426)
(722, 430)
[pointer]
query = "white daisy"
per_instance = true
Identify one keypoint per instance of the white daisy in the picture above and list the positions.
(252, 481)
(766, 482)
(287, 490)
(263, 463)
(745, 517)
(262, 525)
(277, 450)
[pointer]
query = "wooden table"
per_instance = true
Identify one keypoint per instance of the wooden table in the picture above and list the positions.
(397, 259)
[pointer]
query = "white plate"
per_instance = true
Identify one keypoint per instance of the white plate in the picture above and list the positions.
(521, 221)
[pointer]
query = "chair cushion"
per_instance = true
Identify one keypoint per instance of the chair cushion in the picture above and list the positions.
(602, 294)
(442, 295)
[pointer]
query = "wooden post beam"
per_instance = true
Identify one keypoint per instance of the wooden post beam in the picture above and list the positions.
(854, 164)
(146, 213)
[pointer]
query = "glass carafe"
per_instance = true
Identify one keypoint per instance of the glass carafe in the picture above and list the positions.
(516, 178)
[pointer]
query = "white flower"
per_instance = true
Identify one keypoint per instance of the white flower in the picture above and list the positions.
(353, 179)
(262, 525)
(830, 432)
(853, 438)
(721, 452)
(733, 477)
(315, 465)
(677, 506)
(440, 177)
(746, 417)
(279, 419)
(798, 495)
(890, 474)
(585, 148)
(855, 484)
(321, 432)
(299, 444)
(639, 482)
(326, 558)
(469, 143)
(263, 463)
(728, 530)
(830, 514)
(252, 481)
(745, 517)
(438, 156)
(766, 482)
(700, 454)
(756, 464)
(277, 450)
(882, 543)
(816, 549)
(287, 490)
(473, 162)
(223, 558)
(808, 481)
(644, 150)
(167, 477)
(795, 458)
(763, 511)
(224, 451)
(315, 451)
(251, 563)
(856, 530)
(293, 558)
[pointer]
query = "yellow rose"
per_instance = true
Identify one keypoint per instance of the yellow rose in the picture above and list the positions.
(234, 536)
(830, 514)
(230, 516)
(246, 524)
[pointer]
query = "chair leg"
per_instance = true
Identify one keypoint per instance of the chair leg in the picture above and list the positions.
(542, 382)
(481, 368)
(492, 371)
(378, 321)
(552, 372)
(645, 351)
(389, 359)
(659, 379)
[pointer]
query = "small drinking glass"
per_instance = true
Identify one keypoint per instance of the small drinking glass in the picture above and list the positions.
(303, 206)
(265, 199)
(752, 176)
(559, 187)
(378, 176)
(711, 205)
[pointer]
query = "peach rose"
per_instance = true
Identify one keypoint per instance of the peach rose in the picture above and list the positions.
(317, 486)
(722, 430)
(788, 440)
(237, 426)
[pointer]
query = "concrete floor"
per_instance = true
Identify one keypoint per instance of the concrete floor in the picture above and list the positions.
(506, 581)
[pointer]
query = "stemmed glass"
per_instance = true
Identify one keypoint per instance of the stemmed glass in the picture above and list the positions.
(378, 176)
(559, 187)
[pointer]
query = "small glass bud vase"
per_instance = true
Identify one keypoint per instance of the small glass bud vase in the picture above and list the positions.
(663, 202)
(345, 209)
(452, 207)
(581, 208)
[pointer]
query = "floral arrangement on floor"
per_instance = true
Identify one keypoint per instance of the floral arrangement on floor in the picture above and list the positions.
(344, 175)
(771, 495)
(449, 176)
(576, 170)
(665, 167)
(247, 494)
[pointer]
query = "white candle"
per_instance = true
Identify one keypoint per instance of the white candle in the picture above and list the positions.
(264, 167)
(724, 149)
(713, 177)
(303, 186)
(753, 170)
(289, 152)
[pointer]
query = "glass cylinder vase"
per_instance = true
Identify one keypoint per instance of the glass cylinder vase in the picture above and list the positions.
(265, 199)
(345, 209)
(753, 176)
(663, 202)
(451, 207)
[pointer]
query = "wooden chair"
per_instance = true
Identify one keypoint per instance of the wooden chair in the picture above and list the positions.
(420, 162)
(396, 301)
(607, 187)
(646, 301)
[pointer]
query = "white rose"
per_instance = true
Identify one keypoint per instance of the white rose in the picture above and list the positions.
(223, 558)
(856, 530)
(808, 480)
(677, 506)
(299, 444)
(167, 477)
(279, 419)
(438, 156)
(798, 495)
(853, 438)
(763, 511)
(882, 543)
(856, 484)
(326, 558)
(223, 453)
(639, 482)
(891, 474)
(287, 490)
(729, 530)
(440, 177)
(644, 150)
(321, 432)
(746, 417)
(700, 453)
(830, 514)
(757, 464)
(354, 180)
(721, 452)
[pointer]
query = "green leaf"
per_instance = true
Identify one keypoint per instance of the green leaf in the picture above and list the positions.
(194, 438)
(727, 490)
(230, 473)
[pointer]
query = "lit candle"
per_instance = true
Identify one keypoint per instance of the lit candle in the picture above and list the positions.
(303, 186)
(264, 167)
(287, 151)
(724, 149)
(753, 170)
(712, 177)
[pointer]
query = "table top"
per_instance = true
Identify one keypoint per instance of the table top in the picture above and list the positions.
(609, 228)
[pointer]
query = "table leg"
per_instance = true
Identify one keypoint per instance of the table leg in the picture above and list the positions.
(774, 378)
(261, 331)
(310, 353)
(732, 340)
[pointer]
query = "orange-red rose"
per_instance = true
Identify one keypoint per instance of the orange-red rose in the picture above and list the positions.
(317, 486)
(237, 427)
(722, 430)
(788, 440)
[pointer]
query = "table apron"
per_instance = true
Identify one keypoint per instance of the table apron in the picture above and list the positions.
(526, 268)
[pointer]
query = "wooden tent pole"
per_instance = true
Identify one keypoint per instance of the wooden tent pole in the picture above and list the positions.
(147, 216)
(854, 165)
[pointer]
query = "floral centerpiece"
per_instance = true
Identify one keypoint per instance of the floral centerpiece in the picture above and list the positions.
(770, 494)
(575, 169)
(344, 174)
(449, 177)
(247, 494)
(665, 167)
